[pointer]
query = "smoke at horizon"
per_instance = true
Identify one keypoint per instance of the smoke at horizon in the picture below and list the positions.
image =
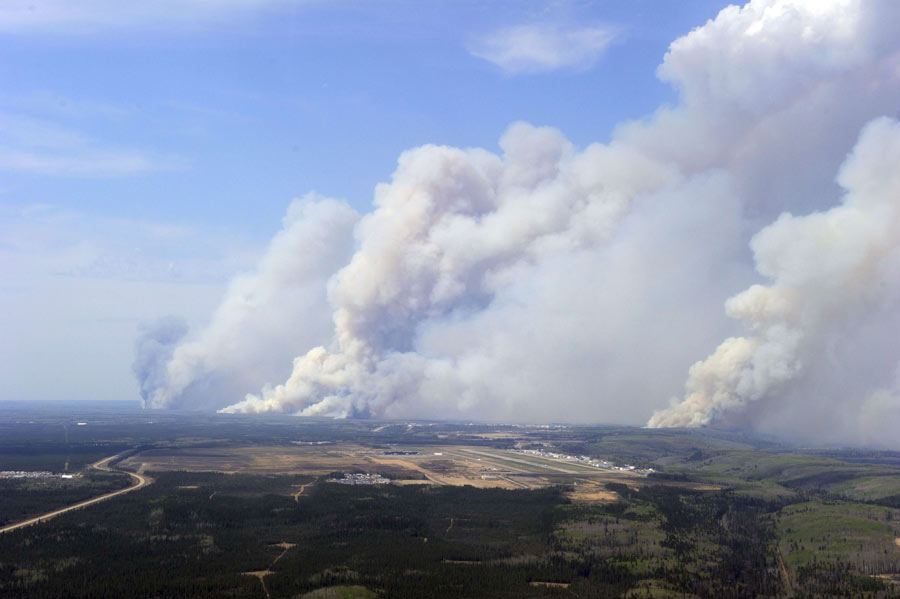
(548, 282)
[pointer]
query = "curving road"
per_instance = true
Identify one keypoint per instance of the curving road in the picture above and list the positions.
(140, 481)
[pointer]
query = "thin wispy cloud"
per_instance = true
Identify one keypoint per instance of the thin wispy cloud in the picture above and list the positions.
(43, 241)
(91, 16)
(60, 106)
(41, 146)
(76, 283)
(540, 48)
(84, 164)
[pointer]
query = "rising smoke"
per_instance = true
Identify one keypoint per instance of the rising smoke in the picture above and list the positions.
(549, 282)
(152, 351)
(266, 317)
(830, 315)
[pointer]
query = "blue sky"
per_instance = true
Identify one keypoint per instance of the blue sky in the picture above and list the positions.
(147, 156)
(222, 119)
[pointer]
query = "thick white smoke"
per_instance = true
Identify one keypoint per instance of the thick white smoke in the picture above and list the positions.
(267, 316)
(549, 282)
(831, 311)
(488, 284)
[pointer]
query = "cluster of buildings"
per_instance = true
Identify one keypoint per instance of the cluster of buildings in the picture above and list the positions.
(586, 460)
(25, 474)
(361, 479)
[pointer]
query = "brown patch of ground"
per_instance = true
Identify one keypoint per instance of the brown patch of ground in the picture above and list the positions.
(498, 435)
(897, 541)
(591, 491)
(447, 472)
(341, 592)
(261, 575)
(784, 573)
(481, 467)
(299, 492)
(688, 485)
(285, 547)
(252, 460)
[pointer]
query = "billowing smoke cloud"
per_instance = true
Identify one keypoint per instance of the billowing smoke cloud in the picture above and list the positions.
(830, 313)
(478, 280)
(267, 316)
(553, 283)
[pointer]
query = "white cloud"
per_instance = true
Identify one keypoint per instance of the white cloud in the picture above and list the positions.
(62, 106)
(91, 16)
(540, 48)
(87, 163)
(47, 240)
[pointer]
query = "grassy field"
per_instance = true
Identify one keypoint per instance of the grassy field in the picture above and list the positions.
(869, 488)
(782, 476)
(863, 535)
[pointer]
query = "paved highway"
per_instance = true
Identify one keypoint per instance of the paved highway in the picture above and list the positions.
(140, 481)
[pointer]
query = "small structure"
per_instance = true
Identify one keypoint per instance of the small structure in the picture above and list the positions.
(358, 478)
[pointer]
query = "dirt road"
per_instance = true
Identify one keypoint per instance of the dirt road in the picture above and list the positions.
(296, 495)
(789, 590)
(140, 481)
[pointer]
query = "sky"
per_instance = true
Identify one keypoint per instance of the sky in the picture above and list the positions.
(146, 156)
(651, 213)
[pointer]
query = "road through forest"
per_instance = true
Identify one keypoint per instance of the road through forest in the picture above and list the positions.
(140, 481)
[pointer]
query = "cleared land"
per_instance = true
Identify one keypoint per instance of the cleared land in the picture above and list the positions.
(442, 465)
(453, 465)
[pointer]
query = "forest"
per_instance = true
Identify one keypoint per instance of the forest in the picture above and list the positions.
(724, 516)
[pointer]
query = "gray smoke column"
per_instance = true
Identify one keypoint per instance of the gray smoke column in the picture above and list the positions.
(551, 282)
(153, 349)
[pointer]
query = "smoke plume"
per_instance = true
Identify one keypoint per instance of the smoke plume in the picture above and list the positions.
(266, 317)
(152, 351)
(549, 282)
(830, 314)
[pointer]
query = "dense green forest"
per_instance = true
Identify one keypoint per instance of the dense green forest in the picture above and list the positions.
(194, 534)
(23, 498)
(725, 516)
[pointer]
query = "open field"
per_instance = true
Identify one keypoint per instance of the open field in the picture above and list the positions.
(454, 465)
(253, 459)
(440, 465)
(864, 535)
